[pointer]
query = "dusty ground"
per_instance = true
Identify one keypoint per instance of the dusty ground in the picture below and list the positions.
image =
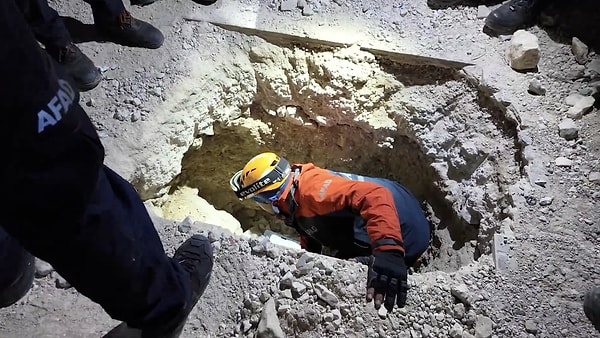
(555, 247)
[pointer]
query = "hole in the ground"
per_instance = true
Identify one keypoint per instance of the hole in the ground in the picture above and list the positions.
(347, 110)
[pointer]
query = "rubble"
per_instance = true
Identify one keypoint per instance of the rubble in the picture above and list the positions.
(184, 102)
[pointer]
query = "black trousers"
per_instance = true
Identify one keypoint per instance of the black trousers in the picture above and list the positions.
(49, 28)
(65, 206)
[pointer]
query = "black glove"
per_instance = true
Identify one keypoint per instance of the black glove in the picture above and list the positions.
(387, 279)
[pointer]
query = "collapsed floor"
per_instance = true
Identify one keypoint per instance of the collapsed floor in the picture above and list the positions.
(424, 126)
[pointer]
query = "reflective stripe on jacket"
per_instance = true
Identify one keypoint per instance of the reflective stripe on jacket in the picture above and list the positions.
(349, 212)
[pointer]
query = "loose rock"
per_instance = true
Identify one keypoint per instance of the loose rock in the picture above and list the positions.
(523, 52)
(580, 50)
(563, 162)
(42, 268)
(536, 88)
(269, 327)
(568, 130)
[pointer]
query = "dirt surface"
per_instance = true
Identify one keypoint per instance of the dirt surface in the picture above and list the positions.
(154, 105)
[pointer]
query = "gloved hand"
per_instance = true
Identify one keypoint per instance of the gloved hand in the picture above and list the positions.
(387, 279)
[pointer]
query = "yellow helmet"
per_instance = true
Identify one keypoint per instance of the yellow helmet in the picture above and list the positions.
(265, 172)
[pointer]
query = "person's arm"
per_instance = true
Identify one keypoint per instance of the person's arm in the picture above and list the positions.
(52, 154)
(323, 193)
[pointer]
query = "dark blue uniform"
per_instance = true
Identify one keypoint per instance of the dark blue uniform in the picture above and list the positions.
(62, 204)
(49, 28)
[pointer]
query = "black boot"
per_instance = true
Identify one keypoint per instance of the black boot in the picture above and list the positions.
(17, 288)
(205, 2)
(196, 257)
(513, 15)
(439, 4)
(83, 71)
(443, 3)
(591, 306)
(129, 31)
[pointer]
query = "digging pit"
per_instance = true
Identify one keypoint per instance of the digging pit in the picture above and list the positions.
(427, 126)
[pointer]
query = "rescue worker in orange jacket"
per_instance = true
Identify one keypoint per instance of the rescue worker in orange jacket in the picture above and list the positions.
(356, 215)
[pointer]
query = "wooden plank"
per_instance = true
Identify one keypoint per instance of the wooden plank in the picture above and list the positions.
(286, 39)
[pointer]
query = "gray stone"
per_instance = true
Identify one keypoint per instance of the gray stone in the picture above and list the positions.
(594, 66)
(580, 50)
(483, 11)
(42, 268)
(135, 116)
(298, 289)
(327, 296)
(288, 5)
(61, 283)
(268, 326)
(459, 310)
(536, 87)
(581, 107)
(121, 114)
(287, 293)
(594, 176)
(568, 130)
(185, 226)
(563, 162)
(572, 99)
(456, 331)
(523, 52)
(530, 326)
(483, 327)
(286, 281)
(307, 11)
(461, 292)
(544, 201)
(575, 72)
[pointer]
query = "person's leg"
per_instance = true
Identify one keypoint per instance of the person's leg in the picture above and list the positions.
(114, 23)
(49, 29)
(68, 209)
(17, 270)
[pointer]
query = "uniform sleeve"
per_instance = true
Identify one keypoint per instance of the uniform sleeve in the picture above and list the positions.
(322, 193)
(52, 153)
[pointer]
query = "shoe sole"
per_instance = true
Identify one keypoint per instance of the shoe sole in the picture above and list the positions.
(142, 3)
(202, 245)
(502, 30)
(105, 38)
(84, 87)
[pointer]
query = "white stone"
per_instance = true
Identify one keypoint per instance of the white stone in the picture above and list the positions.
(594, 176)
(524, 51)
(563, 162)
(572, 99)
(288, 5)
(483, 327)
(483, 11)
(581, 107)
